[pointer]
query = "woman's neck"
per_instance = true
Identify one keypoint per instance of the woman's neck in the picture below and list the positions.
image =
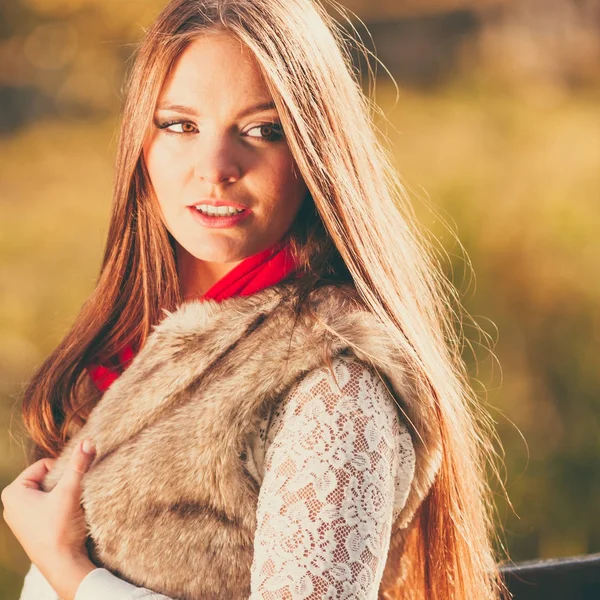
(196, 276)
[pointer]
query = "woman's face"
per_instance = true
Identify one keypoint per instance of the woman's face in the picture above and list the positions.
(217, 138)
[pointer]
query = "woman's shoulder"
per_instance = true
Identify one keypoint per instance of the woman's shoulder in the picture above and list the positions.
(342, 412)
(347, 383)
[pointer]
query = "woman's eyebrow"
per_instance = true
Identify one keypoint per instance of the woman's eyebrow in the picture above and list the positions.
(186, 110)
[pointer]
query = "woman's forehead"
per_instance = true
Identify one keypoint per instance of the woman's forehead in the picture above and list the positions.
(215, 73)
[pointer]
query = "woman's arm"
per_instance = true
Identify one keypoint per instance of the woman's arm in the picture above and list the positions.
(336, 471)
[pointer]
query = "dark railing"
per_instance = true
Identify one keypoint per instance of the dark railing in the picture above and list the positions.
(572, 578)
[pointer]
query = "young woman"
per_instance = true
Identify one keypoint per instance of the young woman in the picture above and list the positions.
(267, 374)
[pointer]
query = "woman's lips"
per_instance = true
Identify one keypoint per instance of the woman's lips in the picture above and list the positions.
(220, 221)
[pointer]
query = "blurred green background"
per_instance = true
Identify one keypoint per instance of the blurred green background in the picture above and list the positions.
(496, 131)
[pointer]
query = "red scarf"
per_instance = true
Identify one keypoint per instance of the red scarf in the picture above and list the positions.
(253, 274)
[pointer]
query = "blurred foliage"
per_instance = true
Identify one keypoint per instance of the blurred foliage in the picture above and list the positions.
(504, 154)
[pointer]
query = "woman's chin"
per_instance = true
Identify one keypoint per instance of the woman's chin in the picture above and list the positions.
(221, 249)
(221, 255)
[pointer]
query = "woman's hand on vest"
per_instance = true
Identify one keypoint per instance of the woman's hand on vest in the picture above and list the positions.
(51, 525)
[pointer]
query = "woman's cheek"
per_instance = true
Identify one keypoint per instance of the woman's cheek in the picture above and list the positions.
(166, 173)
(284, 171)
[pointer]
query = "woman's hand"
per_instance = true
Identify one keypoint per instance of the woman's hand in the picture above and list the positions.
(51, 525)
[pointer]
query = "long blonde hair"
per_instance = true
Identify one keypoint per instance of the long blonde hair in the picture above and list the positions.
(359, 226)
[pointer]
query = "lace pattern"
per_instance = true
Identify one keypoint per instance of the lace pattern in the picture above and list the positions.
(338, 462)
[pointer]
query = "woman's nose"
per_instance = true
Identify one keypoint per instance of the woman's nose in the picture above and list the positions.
(215, 160)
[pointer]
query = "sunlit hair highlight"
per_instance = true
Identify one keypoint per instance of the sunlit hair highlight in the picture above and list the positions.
(358, 225)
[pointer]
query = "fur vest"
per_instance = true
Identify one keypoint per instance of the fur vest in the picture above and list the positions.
(169, 503)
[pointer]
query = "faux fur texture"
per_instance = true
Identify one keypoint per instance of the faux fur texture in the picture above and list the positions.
(168, 501)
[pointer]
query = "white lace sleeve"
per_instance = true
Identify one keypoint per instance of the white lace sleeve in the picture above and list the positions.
(336, 472)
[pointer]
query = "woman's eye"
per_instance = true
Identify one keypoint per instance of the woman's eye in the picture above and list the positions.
(182, 127)
(268, 131)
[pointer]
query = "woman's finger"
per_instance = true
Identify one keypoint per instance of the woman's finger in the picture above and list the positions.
(34, 474)
(79, 463)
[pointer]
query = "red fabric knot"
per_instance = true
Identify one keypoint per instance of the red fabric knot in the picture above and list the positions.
(253, 274)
